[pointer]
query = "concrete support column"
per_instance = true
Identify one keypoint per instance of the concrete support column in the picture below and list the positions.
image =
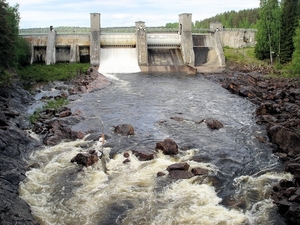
(73, 51)
(32, 54)
(219, 48)
(185, 31)
(50, 49)
(95, 39)
(141, 43)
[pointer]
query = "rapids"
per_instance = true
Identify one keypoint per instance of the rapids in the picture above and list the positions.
(236, 191)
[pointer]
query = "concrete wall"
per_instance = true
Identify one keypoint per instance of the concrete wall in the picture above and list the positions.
(163, 40)
(237, 39)
(74, 42)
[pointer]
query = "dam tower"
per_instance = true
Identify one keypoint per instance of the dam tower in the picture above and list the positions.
(185, 31)
(95, 39)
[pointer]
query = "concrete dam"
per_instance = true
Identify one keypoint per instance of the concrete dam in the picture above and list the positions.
(137, 49)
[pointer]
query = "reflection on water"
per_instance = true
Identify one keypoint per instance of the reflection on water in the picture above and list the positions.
(236, 190)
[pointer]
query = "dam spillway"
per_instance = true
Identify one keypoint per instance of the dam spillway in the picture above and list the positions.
(118, 60)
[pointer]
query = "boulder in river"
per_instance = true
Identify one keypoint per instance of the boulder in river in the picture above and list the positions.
(180, 171)
(197, 171)
(86, 158)
(144, 154)
(179, 166)
(168, 146)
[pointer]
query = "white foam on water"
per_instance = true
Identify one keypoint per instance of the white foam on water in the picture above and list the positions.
(254, 192)
(90, 196)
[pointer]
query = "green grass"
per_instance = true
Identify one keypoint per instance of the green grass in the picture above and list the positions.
(246, 56)
(55, 72)
(242, 56)
(52, 104)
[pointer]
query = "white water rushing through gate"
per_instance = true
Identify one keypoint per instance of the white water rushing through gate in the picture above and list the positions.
(118, 60)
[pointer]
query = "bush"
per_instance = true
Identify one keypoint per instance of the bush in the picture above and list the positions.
(5, 77)
(23, 52)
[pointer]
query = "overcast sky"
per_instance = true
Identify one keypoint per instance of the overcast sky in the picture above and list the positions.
(43, 13)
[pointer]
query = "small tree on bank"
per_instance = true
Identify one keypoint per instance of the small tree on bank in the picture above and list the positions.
(268, 25)
(14, 50)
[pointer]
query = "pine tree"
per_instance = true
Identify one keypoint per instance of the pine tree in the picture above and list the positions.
(268, 25)
(9, 28)
(289, 23)
(296, 53)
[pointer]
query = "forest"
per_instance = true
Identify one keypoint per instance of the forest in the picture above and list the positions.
(246, 18)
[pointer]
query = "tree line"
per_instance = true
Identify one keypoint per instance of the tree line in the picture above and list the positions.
(14, 50)
(246, 18)
(278, 32)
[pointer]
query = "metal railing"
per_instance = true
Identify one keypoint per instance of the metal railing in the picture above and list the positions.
(85, 30)
(60, 30)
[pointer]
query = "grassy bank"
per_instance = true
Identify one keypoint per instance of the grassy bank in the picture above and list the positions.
(41, 73)
(245, 58)
(242, 56)
(55, 72)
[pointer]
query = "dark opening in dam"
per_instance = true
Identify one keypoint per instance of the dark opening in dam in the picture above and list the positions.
(165, 57)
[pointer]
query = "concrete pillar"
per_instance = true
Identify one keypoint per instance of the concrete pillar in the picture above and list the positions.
(219, 48)
(32, 54)
(185, 31)
(73, 51)
(95, 39)
(141, 43)
(50, 49)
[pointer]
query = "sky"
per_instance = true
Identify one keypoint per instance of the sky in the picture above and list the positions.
(45, 13)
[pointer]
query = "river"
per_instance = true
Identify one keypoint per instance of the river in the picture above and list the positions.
(242, 169)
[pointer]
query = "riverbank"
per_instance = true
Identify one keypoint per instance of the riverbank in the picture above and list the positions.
(16, 144)
(278, 109)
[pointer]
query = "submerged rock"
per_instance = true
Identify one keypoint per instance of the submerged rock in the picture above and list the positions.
(180, 174)
(213, 124)
(124, 129)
